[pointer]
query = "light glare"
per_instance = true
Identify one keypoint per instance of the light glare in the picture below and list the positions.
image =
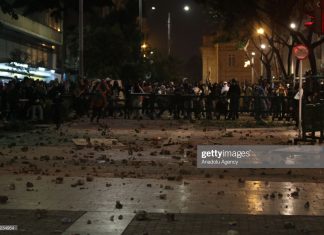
(186, 8)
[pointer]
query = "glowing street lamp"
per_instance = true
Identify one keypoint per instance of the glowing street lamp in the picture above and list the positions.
(260, 31)
(293, 26)
(263, 47)
(144, 46)
(252, 67)
(186, 8)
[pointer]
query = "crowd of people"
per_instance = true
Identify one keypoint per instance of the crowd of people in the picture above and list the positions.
(31, 99)
(39, 101)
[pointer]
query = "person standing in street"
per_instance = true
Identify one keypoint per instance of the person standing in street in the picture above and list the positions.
(56, 93)
(234, 93)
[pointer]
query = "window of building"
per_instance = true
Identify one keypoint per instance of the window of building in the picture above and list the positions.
(34, 56)
(45, 58)
(231, 60)
(52, 22)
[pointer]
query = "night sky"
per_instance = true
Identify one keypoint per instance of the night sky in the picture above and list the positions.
(187, 27)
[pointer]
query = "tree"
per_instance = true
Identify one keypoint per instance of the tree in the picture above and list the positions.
(161, 68)
(7, 8)
(57, 7)
(243, 17)
(112, 41)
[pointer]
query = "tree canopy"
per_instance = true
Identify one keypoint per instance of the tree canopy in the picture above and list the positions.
(56, 6)
(111, 41)
(240, 19)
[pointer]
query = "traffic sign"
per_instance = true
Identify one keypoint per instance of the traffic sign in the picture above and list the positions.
(301, 52)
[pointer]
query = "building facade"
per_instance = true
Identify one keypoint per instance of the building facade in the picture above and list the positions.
(34, 40)
(226, 61)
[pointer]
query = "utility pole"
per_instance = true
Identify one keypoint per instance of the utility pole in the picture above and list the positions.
(169, 33)
(252, 70)
(140, 14)
(81, 43)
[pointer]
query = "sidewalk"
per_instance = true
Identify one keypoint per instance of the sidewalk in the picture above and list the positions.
(98, 199)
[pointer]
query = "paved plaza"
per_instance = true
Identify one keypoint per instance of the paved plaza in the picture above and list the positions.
(111, 173)
(205, 224)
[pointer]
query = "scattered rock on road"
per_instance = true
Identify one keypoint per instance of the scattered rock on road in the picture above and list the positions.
(141, 215)
(12, 186)
(163, 196)
(289, 225)
(80, 182)
(295, 194)
(89, 178)
(170, 217)
(59, 180)
(118, 205)
(241, 181)
(3, 199)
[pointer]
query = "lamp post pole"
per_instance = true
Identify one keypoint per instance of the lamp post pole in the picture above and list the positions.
(301, 52)
(169, 33)
(263, 47)
(292, 69)
(140, 14)
(252, 68)
(300, 101)
(81, 42)
(292, 65)
(186, 8)
(261, 32)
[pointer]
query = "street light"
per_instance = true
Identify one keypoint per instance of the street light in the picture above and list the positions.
(81, 41)
(260, 31)
(252, 67)
(263, 47)
(140, 14)
(144, 46)
(292, 66)
(186, 8)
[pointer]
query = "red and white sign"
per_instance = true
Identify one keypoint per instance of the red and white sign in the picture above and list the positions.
(301, 52)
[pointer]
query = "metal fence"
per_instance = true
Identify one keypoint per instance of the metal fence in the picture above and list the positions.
(278, 107)
(177, 106)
